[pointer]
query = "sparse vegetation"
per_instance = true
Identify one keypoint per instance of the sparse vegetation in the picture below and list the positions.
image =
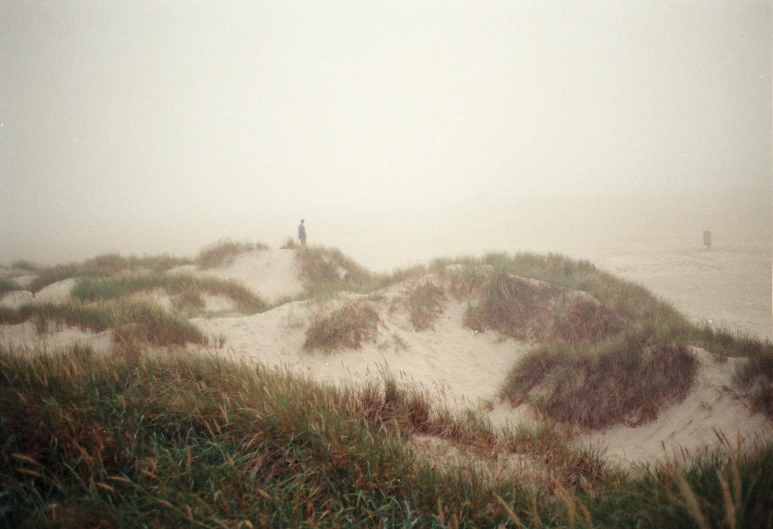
(321, 267)
(25, 265)
(224, 251)
(425, 302)
(186, 289)
(7, 286)
(143, 322)
(346, 327)
(755, 377)
(108, 265)
(289, 243)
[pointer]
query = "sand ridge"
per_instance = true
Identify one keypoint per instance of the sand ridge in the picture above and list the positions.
(458, 367)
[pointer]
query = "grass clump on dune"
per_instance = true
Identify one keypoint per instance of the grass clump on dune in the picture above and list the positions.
(224, 251)
(107, 265)
(7, 286)
(346, 327)
(626, 379)
(321, 266)
(755, 378)
(186, 289)
(289, 243)
(600, 317)
(143, 322)
(186, 440)
(510, 305)
(24, 264)
(425, 303)
(529, 309)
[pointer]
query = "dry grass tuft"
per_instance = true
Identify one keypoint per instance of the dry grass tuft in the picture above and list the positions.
(290, 243)
(624, 380)
(145, 322)
(513, 306)
(586, 320)
(755, 376)
(7, 286)
(425, 303)
(347, 327)
(321, 266)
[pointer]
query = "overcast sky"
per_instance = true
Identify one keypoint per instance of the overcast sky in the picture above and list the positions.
(160, 125)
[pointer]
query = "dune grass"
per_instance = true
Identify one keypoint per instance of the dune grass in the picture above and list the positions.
(133, 322)
(289, 243)
(181, 440)
(626, 379)
(107, 265)
(321, 266)
(425, 302)
(7, 285)
(224, 251)
(186, 289)
(347, 326)
(26, 265)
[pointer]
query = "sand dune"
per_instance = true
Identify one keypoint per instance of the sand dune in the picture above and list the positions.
(271, 273)
(455, 365)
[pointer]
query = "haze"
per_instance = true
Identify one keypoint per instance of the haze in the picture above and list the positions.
(399, 131)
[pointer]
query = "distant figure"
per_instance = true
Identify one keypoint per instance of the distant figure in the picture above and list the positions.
(302, 233)
(707, 239)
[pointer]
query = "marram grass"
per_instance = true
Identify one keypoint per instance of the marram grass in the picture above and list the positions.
(186, 289)
(145, 322)
(181, 440)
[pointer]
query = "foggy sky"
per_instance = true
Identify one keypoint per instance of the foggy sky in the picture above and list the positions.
(161, 126)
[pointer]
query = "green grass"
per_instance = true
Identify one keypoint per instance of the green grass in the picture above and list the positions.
(224, 251)
(182, 440)
(186, 290)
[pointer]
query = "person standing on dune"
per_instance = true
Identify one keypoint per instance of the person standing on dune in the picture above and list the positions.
(302, 233)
